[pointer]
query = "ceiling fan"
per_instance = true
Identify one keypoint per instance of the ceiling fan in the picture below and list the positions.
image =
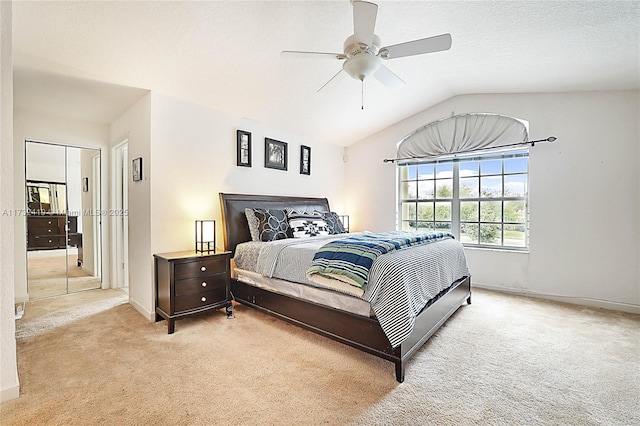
(362, 52)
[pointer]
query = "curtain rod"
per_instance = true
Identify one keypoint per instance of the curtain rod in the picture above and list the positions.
(532, 143)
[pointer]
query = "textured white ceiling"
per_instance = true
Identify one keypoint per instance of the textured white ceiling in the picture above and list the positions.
(226, 54)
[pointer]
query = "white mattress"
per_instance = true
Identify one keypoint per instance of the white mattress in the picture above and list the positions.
(318, 295)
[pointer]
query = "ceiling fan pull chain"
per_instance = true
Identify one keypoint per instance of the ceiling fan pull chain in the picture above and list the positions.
(362, 95)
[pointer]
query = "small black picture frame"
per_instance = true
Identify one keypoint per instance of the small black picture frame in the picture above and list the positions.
(136, 169)
(305, 160)
(243, 149)
(275, 154)
(85, 184)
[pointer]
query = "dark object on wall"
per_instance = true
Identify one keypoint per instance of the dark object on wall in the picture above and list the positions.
(275, 154)
(136, 167)
(305, 160)
(85, 184)
(243, 149)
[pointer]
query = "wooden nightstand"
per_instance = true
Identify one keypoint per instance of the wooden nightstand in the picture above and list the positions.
(189, 283)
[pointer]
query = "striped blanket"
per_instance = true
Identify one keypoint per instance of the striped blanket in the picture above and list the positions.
(349, 260)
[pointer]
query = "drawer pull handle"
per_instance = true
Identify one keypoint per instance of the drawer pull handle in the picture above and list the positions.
(204, 299)
(49, 240)
(204, 284)
(49, 230)
(49, 222)
(204, 268)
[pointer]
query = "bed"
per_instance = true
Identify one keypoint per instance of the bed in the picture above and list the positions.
(358, 330)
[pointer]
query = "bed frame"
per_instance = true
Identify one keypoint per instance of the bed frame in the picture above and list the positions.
(354, 330)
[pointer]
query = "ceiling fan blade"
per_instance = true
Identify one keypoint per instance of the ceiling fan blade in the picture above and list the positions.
(339, 76)
(417, 47)
(364, 21)
(314, 55)
(388, 78)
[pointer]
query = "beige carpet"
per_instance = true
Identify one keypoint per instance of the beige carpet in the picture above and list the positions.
(504, 360)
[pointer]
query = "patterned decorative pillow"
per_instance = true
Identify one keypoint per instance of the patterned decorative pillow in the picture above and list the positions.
(307, 225)
(333, 222)
(272, 224)
(252, 220)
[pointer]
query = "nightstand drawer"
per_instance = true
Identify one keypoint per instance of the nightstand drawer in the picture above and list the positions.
(195, 301)
(200, 268)
(199, 285)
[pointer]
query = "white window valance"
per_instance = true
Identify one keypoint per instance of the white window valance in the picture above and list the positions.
(463, 133)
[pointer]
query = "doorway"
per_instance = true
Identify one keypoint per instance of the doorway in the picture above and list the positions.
(63, 194)
(121, 228)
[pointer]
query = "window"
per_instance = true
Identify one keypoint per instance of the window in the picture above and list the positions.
(482, 199)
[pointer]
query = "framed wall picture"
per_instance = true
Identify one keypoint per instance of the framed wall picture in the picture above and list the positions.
(275, 154)
(243, 141)
(136, 169)
(305, 160)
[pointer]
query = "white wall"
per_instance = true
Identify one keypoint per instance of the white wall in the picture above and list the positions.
(189, 157)
(584, 195)
(9, 383)
(46, 128)
(135, 126)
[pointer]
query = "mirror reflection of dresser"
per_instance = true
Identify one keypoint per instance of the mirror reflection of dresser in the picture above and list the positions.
(48, 231)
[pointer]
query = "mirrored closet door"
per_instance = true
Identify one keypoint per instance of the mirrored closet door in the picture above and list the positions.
(63, 219)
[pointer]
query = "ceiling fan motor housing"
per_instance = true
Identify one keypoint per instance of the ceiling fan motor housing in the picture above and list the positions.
(362, 60)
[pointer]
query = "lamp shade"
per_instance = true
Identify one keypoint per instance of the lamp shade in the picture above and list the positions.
(205, 236)
(344, 218)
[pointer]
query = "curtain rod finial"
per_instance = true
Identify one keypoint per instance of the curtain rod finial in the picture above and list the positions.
(551, 139)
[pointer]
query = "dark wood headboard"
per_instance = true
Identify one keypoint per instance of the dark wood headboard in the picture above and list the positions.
(236, 229)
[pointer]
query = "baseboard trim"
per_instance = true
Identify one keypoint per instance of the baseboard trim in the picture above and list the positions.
(584, 301)
(9, 393)
(151, 316)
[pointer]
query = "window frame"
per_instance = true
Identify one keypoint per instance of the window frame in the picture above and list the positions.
(456, 221)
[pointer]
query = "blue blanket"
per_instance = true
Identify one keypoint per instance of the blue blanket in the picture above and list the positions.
(350, 259)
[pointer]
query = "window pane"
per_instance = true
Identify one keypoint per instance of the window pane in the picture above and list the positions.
(491, 187)
(491, 167)
(514, 235)
(425, 171)
(469, 211)
(469, 233)
(425, 211)
(490, 206)
(408, 210)
(515, 185)
(515, 165)
(443, 211)
(469, 188)
(443, 226)
(425, 189)
(444, 188)
(515, 211)
(469, 168)
(444, 170)
(408, 172)
(490, 234)
(425, 226)
(490, 211)
(408, 190)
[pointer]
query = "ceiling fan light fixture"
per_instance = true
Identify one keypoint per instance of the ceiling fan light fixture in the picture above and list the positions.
(361, 66)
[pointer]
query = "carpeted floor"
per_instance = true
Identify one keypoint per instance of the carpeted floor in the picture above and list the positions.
(505, 360)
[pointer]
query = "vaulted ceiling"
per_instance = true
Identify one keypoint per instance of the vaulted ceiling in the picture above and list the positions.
(91, 60)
